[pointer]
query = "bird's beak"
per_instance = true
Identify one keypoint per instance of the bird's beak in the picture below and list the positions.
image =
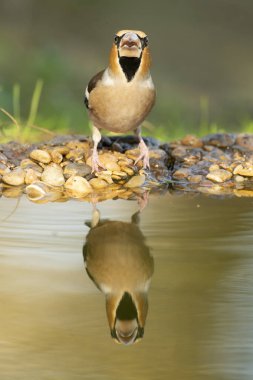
(130, 40)
(126, 331)
(130, 45)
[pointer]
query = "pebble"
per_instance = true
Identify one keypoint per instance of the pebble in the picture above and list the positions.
(3, 158)
(98, 183)
(136, 181)
(15, 178)
(31, 176)
(219, 175)
(41, 156)
(192, 141)
(245, 169)
(53, 175)
(75, 168)
(181, 173)
(78, 186)
(195, 178)
(4, 169)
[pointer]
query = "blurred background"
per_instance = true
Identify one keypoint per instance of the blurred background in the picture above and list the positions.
(202, 62)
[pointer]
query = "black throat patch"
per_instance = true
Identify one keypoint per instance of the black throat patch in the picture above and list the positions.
(129, 65)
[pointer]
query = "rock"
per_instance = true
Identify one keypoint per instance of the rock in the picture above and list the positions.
(220, 140)
(57, 157)
(3, 159)
(109, 161)
(78, 186)
(245, 141)
(53, 175)
(106, 175)
(41, 156)
(127, 170)
(239, 179)
(63, 150)
(245, 169)
(39, 191)
(195, 178)
(179, 153)
(136, 181)
(158, 154)
(192, 141)
(4, 169)
(15, 178)
(214, 167)
(181, 173)
(31, 176)
(219, 175)
(75, 155)
(98, 183)
(76, 168)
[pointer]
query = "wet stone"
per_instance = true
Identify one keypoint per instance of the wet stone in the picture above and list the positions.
(74, 168)
(181, 173)
(220, 140)
(98, 183)
(245, 141)
(4, 169)
(245, 169)
(136, 181)
(219, 175)
(78, 186)
(192, 141)
(41, 156)
(15, 178)
(53, 175)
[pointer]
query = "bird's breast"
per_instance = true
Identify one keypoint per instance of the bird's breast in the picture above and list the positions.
(120, 108)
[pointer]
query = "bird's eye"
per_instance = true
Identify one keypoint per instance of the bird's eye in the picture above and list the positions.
(116, 39)
(145, 41)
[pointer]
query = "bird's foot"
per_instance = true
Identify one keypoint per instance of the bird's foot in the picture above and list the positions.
(144, 155)
(143, 200)
(95, 163)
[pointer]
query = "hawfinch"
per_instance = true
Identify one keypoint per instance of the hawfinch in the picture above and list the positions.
(120, 97)
(119, 263)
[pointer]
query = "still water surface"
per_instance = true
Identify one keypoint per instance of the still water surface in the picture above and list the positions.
(199, 325)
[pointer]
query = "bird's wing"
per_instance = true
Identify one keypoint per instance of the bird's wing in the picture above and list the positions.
(92, 84)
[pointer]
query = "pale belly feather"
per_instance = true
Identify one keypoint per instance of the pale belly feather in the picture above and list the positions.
(122, 108)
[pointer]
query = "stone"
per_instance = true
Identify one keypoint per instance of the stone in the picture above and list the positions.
(53, 175)
(238, 178)
(76, 168)
(31, 176)
(3, 158)
(57, 157)
(245, 141)
(78, 186)
(214, 167)
(181, 173)
(220, 140)
(193, 141)
(195, 178)
(219, 175)
(98, 183)
(75, 155)
(136, 181)
(4, 169)
(245, 169)
(41, 156)
(15, 178)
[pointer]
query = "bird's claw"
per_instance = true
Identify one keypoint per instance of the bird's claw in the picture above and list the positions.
(144, 155)
(95, 163)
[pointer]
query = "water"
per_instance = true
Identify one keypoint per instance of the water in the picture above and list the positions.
(53, 322)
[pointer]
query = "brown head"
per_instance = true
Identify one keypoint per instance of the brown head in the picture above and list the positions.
(130, 54)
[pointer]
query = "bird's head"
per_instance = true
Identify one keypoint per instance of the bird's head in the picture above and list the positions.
(130, 43)
(130, 53)
(126, 317)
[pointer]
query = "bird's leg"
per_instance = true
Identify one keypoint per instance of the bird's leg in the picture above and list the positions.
(144, 155)
(96, 137)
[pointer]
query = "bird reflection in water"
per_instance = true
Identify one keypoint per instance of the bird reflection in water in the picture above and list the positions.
(119, 263)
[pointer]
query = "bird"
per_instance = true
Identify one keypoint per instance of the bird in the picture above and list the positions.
(120, 97)
(119, 263)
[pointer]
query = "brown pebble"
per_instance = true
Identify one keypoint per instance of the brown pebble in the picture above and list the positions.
(98, 183)
(219, 175)
(15, 178)
(136, 181)
(41, 156)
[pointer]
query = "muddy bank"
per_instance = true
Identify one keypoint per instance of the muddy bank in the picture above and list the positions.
(59, 169)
